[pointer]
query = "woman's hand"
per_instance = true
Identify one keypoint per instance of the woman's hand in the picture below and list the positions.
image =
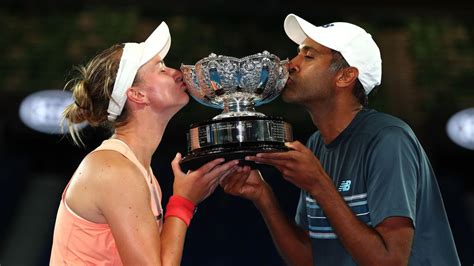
(199, 184)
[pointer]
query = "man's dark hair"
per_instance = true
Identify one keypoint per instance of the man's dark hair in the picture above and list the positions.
(338, 63)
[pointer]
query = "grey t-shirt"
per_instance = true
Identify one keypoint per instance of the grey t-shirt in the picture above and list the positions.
(381, 170)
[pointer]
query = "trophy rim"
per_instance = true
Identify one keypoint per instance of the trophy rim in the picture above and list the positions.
(186, 66)
(210, 57)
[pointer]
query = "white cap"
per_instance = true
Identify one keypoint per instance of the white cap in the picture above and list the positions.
(134, 56)
(354, 43)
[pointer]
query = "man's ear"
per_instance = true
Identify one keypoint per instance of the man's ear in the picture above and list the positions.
(136, 95)
(347, 76)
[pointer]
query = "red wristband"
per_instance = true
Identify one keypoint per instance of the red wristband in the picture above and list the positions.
(181, 208)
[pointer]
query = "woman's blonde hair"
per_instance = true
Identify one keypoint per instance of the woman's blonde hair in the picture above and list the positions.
(91, 93)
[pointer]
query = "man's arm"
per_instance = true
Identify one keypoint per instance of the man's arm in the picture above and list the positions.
(291, 241)
(389, 243)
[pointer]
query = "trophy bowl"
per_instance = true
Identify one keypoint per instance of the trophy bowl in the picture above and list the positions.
(236, 86)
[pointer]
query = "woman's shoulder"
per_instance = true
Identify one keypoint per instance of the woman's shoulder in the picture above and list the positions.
(100, 181)
(105, 166)
(106, 171)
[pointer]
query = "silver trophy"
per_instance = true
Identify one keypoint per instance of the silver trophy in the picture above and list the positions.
(236, 86)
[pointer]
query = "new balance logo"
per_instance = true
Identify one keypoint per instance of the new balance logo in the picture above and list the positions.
(345, 185)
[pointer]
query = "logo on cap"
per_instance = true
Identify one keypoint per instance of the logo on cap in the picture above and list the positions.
(327, 25)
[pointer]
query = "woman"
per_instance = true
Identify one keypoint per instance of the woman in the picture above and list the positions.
(110, 212)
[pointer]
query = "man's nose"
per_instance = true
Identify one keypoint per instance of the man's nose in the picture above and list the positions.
(293, 66)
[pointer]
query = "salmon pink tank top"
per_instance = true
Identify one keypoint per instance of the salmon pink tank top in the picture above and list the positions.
(77, 241)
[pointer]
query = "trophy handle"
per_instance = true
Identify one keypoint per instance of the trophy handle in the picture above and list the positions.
(263, 79)
(282, 77)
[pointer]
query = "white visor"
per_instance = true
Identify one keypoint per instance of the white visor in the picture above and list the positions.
(134, 56)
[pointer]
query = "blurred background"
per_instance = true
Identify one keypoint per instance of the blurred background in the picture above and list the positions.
(428, 63)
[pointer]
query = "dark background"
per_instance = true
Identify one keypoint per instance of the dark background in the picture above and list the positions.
(427, 52)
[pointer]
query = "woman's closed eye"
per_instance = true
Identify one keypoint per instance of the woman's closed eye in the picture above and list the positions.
(161, 66)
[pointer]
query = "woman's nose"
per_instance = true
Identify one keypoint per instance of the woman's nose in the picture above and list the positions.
(176, 74)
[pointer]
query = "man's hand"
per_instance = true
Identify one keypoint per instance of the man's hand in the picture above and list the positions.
(298, 165)
(245, 183)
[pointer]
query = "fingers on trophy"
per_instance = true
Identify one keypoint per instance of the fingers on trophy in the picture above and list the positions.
(237, 86)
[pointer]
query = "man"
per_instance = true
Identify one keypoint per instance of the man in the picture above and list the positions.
(368, 193)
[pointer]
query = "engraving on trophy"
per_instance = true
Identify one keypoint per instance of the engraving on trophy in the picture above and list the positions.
(236, 86)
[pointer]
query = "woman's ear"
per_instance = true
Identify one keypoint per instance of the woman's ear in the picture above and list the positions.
(347, 76)
(136, 95)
